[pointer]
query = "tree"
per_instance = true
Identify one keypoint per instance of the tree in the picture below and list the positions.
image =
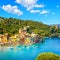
(48, 56)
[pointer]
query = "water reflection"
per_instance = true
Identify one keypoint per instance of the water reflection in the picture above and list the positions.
(29, 52)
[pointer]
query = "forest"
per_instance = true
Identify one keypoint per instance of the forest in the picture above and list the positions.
(12, 25)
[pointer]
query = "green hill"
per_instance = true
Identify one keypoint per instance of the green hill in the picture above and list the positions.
(12, 25)
(48, 56)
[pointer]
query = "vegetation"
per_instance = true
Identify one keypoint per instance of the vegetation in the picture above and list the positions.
(48, 56)
(12, 25)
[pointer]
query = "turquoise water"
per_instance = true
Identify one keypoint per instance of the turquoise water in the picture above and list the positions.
(30, 52)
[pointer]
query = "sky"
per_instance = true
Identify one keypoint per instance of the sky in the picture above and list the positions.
(45, 11)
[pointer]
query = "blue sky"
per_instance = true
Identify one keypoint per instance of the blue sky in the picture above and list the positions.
(46, 11)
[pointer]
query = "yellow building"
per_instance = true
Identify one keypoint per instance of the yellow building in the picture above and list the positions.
(27, 41)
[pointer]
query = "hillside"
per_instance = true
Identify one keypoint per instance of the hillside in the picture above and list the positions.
(12, 25)
(58, 25)
(48, 56)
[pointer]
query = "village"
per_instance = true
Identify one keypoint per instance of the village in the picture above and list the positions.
(23, 37)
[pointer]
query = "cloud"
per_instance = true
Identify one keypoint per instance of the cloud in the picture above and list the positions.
(53, 13)
(39, 6)
(44, 12)
(34, 11)
(29, 4)
(57, 6)
(12, 9)
(32, 6)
